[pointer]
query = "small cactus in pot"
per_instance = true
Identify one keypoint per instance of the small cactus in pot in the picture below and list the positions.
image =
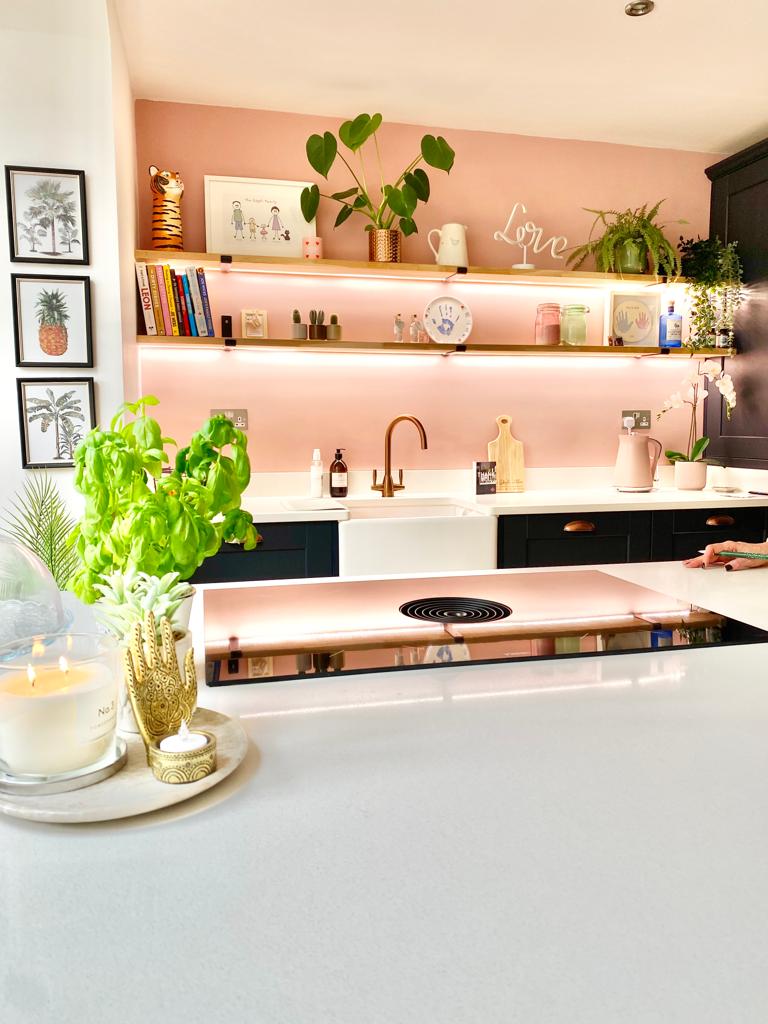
(317, 326)
(298, 329)
(333, 330)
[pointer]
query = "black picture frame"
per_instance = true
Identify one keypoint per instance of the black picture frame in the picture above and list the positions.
(22, 383)
(18, 340)
(13, 241)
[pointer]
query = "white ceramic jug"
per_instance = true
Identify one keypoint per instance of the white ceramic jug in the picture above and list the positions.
(452, 250)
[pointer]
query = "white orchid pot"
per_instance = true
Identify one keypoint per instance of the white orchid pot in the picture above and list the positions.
(690, 476)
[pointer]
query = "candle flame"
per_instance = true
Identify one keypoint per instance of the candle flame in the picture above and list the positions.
(63, 664)
(183, 730)
(31, 675)
(38, 648)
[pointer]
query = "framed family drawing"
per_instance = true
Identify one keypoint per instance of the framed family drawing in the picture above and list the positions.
(635, 318)
(254, 216)
(46, 215)
(52, 320)
(54, 416)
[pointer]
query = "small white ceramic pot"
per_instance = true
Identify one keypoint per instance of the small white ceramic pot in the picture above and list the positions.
(690, 476)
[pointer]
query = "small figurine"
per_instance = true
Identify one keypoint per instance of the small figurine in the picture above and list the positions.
(399, 327)
(413, 329)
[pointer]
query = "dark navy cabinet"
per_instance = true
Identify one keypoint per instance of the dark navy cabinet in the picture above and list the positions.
(597, 538)
(287, 551)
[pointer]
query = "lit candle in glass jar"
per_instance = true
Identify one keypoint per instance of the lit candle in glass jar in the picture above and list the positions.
(58, 701)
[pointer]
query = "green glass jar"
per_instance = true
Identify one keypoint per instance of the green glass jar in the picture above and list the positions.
(573, 325)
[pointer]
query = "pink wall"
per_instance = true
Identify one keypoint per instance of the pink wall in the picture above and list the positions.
(555, 178)
(566, 411)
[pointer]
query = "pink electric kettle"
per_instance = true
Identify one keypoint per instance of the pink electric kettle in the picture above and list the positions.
(636, 461)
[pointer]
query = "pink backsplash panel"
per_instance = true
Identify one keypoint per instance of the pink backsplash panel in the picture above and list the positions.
(566, 411)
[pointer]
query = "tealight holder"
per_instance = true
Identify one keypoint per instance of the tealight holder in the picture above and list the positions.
(58, 710)
(163, 700)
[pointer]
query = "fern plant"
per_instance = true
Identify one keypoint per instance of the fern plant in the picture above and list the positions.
(636, 229)
(38, 518)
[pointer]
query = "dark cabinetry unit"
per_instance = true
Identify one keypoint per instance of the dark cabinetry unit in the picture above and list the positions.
(739, 212)
(287, 551)
(681, 533)
(579, 538)
(527, 541)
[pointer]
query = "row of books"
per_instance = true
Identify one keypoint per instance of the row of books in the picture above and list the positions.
(174, 303)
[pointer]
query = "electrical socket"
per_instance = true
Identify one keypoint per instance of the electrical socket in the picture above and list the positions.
(238, 416)
(642, 418)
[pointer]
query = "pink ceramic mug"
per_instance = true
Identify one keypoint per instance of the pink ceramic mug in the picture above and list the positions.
(313, 247)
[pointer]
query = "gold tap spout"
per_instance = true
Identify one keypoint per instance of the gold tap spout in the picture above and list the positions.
(387, 487)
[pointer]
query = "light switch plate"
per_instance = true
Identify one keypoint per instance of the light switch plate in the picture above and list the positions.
(238, 416)
(642, 418)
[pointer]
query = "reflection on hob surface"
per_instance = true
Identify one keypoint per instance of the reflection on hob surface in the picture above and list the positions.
(300, 628)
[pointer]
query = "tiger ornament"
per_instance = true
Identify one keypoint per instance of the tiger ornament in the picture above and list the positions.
(167, 190)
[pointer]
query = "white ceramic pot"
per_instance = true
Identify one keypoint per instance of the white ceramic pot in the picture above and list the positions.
(690, 476)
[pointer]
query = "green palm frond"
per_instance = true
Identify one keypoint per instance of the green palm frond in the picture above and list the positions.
(38, 518)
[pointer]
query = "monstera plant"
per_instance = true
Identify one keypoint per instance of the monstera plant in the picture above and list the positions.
(386, 207)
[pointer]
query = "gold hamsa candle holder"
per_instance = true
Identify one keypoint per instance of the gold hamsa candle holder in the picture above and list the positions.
(163, 698)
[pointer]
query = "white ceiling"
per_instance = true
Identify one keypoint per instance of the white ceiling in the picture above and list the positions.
(691, 75)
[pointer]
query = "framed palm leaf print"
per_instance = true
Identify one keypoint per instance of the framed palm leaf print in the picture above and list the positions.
(54, 416)
(46, 215)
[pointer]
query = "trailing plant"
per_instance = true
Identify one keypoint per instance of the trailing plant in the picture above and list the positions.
(125, 598)
(694, 391)
(713, 269)
(38, 518)
(139, 519)
(387, 203)
(638, 228)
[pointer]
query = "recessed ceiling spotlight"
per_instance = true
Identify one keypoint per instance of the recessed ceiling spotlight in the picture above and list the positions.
(639, 7)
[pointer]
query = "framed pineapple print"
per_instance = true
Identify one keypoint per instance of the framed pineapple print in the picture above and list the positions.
(54, 416)
(52, 320)
(46, 215)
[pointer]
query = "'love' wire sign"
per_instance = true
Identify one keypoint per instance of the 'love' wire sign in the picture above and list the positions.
(528, 235)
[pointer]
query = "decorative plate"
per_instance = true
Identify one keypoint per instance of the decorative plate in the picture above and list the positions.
(447, 319)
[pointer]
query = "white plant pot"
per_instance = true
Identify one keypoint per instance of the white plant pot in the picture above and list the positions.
(690, 476)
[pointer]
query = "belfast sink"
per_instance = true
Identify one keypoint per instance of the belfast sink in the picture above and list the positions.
(402, 535)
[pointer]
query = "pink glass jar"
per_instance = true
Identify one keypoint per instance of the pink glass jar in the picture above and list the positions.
(547, 330)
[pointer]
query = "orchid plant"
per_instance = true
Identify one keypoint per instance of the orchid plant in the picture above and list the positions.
(694, 390)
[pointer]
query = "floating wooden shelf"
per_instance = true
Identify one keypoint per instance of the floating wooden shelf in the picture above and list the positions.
(406, 348)
(401, 271)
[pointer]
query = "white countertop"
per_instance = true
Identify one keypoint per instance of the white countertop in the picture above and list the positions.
(570, 842)
(532, 502)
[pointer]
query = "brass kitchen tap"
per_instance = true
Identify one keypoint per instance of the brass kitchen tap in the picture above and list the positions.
(387, 487)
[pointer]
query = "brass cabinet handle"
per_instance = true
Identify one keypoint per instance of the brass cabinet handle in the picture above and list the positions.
(579, 526)
(721, 521)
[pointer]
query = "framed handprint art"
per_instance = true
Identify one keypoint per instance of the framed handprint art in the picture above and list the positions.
(635, 318)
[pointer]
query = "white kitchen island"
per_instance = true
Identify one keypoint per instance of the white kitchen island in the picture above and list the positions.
(578, 841)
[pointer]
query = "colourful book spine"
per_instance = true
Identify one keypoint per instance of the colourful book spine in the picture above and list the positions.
(145, 298)
(154, 292)
(160, 277)
(184, 283)
(182, 305)
(206, 303)
(171, 304)
(177, 304)
(197, 302)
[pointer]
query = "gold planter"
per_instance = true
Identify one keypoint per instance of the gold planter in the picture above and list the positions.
(384, 245)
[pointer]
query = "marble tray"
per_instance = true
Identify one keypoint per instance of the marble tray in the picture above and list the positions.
(134, 789)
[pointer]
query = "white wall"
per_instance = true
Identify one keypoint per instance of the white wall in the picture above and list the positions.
(57, 109)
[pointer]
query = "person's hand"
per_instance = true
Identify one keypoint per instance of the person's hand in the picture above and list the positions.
(711, 556)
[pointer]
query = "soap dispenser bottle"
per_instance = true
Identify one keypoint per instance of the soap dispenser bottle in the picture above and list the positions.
(316, 475)
(339, 476)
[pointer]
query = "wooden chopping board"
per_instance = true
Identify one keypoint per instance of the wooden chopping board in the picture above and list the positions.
(507, 452)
